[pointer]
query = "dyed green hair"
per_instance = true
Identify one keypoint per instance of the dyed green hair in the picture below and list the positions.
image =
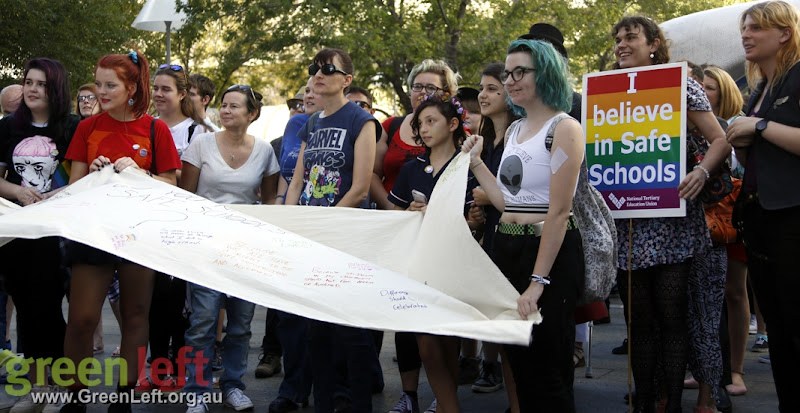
(551, 74)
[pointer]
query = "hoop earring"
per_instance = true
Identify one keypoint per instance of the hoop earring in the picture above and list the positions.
(130, 102)
(652, 55)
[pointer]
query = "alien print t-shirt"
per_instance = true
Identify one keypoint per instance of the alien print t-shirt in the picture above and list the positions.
(329, 154)
(33, 154)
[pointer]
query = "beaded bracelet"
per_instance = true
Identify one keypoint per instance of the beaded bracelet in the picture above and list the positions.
(708, 175)
(539, 279)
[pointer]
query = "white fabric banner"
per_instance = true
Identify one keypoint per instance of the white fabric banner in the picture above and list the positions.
(384, 270)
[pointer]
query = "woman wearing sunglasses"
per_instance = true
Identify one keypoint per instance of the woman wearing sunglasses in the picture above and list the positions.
(334, 168)
(167, 322)
(121, 137)
(171, 99)
(227, 167)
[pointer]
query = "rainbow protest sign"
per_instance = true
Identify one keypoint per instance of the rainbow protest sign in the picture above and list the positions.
(635, 124)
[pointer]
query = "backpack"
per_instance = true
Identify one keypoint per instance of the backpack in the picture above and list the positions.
(598, 232)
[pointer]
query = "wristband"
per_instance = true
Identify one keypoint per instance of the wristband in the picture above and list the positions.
(281, 196)
(473, 166)
(698, 166)
(539, 279)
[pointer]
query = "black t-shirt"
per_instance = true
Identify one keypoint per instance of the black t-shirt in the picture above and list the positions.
(417, 174)
(33, 155)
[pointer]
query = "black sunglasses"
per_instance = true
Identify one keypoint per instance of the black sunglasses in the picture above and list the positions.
(245, 89)
(362, 104)
(327, 69)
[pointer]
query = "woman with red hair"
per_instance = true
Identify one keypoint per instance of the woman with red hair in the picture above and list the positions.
(122, 136)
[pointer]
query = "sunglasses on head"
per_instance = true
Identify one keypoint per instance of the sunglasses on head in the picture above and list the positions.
(327, 69)
(175, 68)
(245, 89)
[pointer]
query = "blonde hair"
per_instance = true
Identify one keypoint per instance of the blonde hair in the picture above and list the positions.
(449, 78)
(730, 98)
(775, 15)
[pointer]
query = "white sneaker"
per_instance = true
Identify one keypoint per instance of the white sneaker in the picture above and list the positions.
(26, 404)
(200, 407)
(237, 400)
(432, 407)
(753, 324)
(55, 407)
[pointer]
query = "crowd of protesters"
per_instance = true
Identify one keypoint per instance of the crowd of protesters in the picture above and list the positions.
(522, 133)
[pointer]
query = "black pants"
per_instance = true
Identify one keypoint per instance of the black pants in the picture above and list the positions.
(167, 322)
(33, 278)
(772, 242)
(270, 343)
(544, 371)
(407, 352)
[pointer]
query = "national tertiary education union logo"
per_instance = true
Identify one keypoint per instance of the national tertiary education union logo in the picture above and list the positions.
(618, 202)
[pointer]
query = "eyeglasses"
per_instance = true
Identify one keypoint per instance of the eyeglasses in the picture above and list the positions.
(90, 98)
(517, 73)
(362, 104)
(327, 69)
(175, 68)
(245, 89)
(429, 89)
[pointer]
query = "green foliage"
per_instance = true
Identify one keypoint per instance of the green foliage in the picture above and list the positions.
(268, 44)
(75, 32)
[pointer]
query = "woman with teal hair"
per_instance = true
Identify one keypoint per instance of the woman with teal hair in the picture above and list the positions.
(537, 244)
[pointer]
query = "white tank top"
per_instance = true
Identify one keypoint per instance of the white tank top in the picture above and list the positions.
(524, 174)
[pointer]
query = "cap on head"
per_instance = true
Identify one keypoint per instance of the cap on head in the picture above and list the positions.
(297, 97)
(548, 33)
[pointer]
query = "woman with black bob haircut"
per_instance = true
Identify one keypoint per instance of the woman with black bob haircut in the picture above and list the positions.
(537, 244)
(337, 175)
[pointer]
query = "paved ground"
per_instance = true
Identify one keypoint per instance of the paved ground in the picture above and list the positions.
(603, 393)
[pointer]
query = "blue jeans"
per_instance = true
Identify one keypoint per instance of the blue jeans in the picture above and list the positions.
(202, 334)
(292, 332)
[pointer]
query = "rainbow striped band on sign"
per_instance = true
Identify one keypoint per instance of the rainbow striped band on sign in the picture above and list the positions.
(635, 138)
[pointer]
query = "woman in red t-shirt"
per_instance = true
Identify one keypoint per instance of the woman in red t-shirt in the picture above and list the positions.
(392, 152)
(123, 136)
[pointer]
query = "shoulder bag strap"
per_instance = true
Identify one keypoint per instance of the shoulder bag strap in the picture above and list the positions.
(394, 125)
(153, 169)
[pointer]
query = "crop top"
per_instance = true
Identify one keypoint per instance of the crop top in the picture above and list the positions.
(524, 174)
